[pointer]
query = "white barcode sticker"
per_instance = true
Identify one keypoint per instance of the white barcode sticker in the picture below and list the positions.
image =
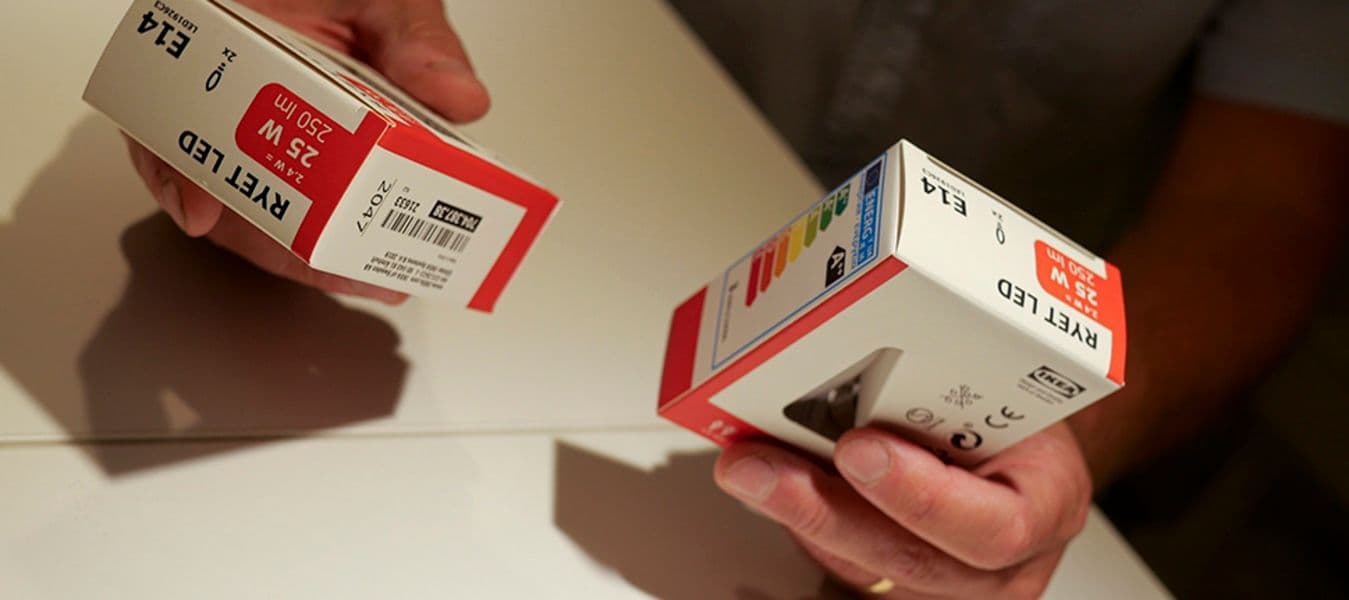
(418, 231)
(421, 229)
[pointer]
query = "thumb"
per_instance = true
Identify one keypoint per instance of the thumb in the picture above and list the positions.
(412, 44)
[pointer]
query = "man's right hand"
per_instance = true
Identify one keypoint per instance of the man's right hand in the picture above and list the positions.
(409, 41)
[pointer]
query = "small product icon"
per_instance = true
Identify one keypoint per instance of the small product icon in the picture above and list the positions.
(969, 439)
(961, 396)
(833, 270)
(919, 416)
(1003, 418)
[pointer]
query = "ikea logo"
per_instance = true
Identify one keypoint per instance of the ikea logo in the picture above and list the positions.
(1056, 382)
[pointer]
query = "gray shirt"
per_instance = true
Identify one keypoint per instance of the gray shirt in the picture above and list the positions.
(1066, 107)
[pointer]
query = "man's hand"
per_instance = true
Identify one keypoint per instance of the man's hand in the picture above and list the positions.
(896, 512)
(409, 41)
(1245, 223)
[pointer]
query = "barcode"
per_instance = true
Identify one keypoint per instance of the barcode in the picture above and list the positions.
(414, 227)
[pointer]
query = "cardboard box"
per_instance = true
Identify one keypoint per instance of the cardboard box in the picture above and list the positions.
(911, 297)
(318, 151)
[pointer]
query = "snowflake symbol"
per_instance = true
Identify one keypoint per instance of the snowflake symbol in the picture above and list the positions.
(961, 396)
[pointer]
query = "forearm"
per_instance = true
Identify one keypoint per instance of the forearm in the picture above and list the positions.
(1219, 274)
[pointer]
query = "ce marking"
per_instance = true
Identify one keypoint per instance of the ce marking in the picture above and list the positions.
(1004, 413)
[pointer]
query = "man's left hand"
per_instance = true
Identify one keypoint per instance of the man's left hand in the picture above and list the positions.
(897, 522)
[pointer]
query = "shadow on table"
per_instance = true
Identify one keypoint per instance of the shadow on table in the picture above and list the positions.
(192, 342)
(671, 532)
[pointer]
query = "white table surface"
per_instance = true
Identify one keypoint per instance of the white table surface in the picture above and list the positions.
(598, 515)
(412, 452)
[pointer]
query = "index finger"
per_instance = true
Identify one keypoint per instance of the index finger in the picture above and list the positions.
(1032, 496)
(412, 43)
(825, 511)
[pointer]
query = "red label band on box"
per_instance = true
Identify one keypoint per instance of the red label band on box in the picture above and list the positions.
(1098, 296)
(295, 141)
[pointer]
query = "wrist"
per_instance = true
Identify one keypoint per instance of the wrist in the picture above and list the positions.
(1109, 431)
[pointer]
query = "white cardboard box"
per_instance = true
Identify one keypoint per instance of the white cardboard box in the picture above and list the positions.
(972, 324)
(318, 151)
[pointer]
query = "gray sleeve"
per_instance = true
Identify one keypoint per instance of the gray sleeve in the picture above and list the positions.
(1288, 54)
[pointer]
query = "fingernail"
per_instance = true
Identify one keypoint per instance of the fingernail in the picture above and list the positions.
(138, 159)
(751, 478)
(145, 163)
(173, 204)
(865, 461)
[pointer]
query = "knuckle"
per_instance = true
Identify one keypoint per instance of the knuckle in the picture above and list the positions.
(1024, 588)
(303, 274)
(1077, 521)
(273, 262)
(913, 563)
(1075, 515)
(923, 502)
(810, 519)
(431, 32)
(1009, 546)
